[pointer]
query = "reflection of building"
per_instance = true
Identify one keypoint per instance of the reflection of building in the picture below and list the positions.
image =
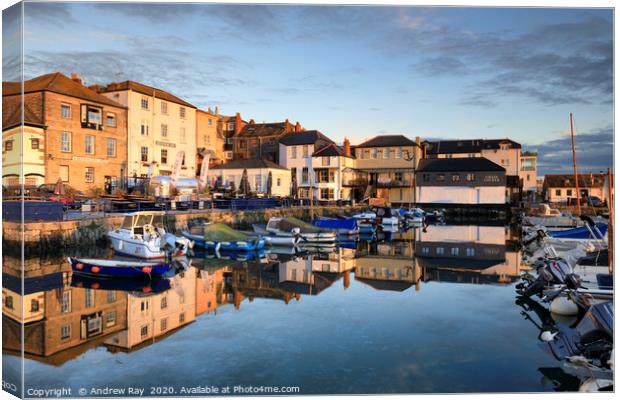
(150, 317)
(60, 321)
(210, 290)
(468, 253)
(256, 280)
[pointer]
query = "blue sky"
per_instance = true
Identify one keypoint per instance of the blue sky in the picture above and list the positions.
(353, 71)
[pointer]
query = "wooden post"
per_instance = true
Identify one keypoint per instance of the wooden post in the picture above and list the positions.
(572, 137)
(610, 229)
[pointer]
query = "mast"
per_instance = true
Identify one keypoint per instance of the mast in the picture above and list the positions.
(572, 137)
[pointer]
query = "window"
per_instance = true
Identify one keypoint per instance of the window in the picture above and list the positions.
(325, 161)
(111, 296)
(454, 251)
(279, 182)
(210, 122)
(426, 177)
(558, 192)
(322, 175)
(164, 107)
(144, 331)
(374, 154)
(181, 318)
(8, 302)
(163, 324)
(182, 112)
(92, 116)
(439, 250)
(64, 172)
(34, 144)
(470, 252)
(164, 130)
(399, 152)
(89, 144)
(386, 153)
(65, 332)
(89, 174)
(144, 129)
(88, 298)
(65, 142)
(110, 120)
(398, 176)
(182, 134)
(306, 150)
(304, 175)
(440, 177)
(144, 103)
(259, 182)
(34, 305)
(366, 154)
(8, 145)
(569, 192)
(65, 302)
(65, 111)
(327, 194)
(470, 177)
(294, 152)
(456, 178)
(164, 156)
(111, 147)
(164, 302)
(111, 318)
(94, 325)
(144, 154)
(144, 306)
(293, 174)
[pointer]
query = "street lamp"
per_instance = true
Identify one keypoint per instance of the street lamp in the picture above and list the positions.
(411, 156)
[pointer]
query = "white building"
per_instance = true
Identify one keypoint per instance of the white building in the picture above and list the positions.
(159, 125)
(317, 165)
(230, 174)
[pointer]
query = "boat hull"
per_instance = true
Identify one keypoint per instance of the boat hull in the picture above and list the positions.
(117, 269)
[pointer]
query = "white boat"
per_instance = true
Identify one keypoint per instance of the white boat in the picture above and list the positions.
(142, 235)
(274, 240)
(292, 227)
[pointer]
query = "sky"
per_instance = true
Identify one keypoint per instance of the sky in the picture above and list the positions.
(352, 71)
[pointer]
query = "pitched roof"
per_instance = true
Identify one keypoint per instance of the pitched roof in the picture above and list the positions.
(474, 164)
(249, 163)
(144, 89)
(330, 150)
(266, 129)
(57, 83)
(304, 137)
(387, 141)
(568, 180)
(467, 146)
(12, 111)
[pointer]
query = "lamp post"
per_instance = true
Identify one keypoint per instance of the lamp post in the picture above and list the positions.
(411, 156)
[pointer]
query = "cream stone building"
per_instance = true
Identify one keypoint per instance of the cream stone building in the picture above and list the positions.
(209, 138)
(32, 165)
(159, 125)
(230, 174)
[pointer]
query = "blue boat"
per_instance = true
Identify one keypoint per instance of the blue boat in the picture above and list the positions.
(117, 268)
(221, 237)
(344, 226)
(125, 285)
(581, 232)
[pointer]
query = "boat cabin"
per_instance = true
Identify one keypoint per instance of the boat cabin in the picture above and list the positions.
(135, 222)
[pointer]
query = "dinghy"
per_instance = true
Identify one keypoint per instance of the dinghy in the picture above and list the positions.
(291, 227)
(117, 268)
(222, 237)
(273, 240)
(343, 226)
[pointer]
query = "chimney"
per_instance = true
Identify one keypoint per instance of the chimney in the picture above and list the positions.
(287, 126)
(346, 145)
(251, 122)
(237, 123)
(217, 110)
(76, 78)
(297, 127)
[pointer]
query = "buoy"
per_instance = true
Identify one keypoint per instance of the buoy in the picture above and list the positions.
(146, 270)
(547, 336)
(563, 306)
(95, 285)
(95, 269)
(79, 266)
(146, 289)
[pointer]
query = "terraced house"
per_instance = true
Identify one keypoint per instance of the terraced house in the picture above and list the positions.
(261, 140)
(69, 132)
(159, 126)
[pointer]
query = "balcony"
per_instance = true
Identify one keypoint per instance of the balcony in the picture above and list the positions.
(355, 182)
(392, 183)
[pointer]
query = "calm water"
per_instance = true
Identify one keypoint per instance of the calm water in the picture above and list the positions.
(426, 311)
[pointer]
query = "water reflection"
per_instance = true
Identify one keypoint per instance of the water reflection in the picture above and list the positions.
(67, 316)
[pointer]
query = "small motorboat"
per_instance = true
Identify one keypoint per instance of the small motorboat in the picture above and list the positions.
(366, 223)
(221, 237)
(387, 218)
(414, 216)
(586, 232)
(434, 217)
(292, 227)
(155, 285)
(117, 268)
(343, 226)
(142, 235)
(274, 240)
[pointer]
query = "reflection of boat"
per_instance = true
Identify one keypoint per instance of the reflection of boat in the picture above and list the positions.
(236, 255)
(224, 238)
(117, 268)
(343, 226)
(125, 285)
(291, 227)
(274, 240)
(142, 235)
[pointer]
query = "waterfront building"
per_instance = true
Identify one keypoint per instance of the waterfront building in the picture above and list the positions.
(153, 316)
(527, 171)
(389, 161)
(316, 165)
(229, 126)
(261, 140)
(258, 171)
(560, 188)
(159, 125)
(445, 182)
(70, 132)
(210, 139)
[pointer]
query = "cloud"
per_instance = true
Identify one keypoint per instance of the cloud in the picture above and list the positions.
(594, 153)
(47, 13)
(439, 66)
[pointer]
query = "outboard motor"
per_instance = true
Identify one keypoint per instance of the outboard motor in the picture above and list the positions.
(169, 243)
(550, 272)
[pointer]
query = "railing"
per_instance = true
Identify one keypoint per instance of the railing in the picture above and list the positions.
(393, 184)
(355, 182)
